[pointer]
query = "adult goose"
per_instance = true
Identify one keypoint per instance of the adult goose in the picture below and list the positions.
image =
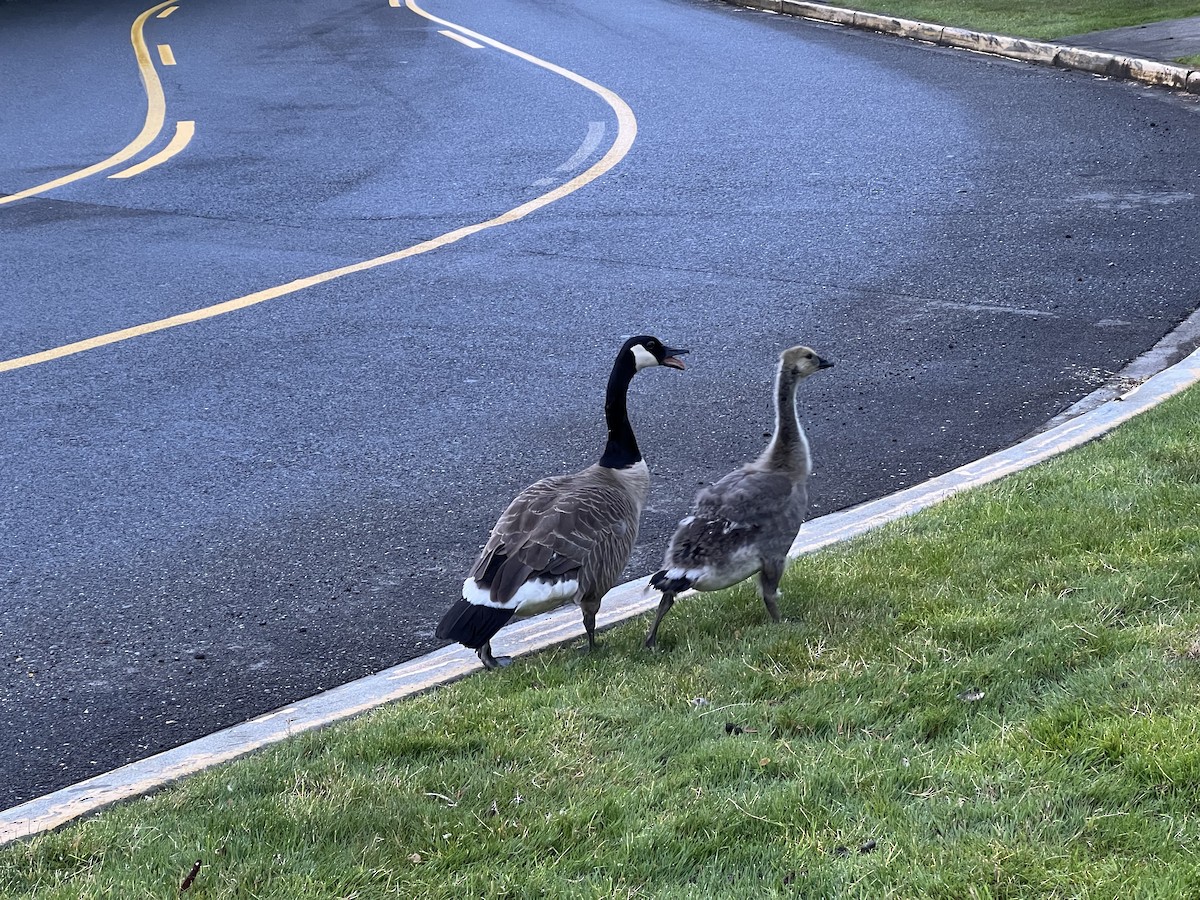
(565, 538)
(745, 523)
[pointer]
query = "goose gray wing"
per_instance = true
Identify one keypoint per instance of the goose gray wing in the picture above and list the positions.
(749, 513)
(563, 537)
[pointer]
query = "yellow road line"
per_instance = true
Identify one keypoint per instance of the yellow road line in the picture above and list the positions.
(626, 132)
(156, 107)
(462, 40)
(183, 135)
(166, 12)
(165, 54)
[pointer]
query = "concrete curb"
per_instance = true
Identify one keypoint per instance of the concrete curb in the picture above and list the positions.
(1098, 62)
(622, 603)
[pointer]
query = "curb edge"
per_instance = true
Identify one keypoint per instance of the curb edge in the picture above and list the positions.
(1097, 62)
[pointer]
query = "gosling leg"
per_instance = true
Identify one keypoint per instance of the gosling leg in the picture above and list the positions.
(768, 587)
(667, 601)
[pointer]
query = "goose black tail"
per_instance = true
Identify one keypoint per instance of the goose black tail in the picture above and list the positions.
(472, 625)
(660, 582)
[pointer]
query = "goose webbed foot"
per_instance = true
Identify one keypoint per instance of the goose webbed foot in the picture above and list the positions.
(492, 662)
(592, 645)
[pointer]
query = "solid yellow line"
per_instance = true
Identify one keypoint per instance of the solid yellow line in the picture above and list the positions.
(165, 54)
(156, 107)
(626, 132)
(166, 12)
(183, 136)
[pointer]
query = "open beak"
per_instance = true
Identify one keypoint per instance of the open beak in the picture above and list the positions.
(672, 358)
(824, 363)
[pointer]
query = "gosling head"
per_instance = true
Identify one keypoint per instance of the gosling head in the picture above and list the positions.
(800, 362)
(647, 351)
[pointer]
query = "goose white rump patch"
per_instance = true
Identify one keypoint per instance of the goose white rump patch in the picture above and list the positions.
(743, 563)
(530, 599)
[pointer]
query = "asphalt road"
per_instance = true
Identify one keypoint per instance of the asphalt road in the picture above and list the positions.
(203, 523)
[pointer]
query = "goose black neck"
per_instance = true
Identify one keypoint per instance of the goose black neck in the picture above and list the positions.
(621, 451)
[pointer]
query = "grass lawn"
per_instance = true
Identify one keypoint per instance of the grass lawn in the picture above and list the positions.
(1032, 18)
(995, 698)
(1029, 19)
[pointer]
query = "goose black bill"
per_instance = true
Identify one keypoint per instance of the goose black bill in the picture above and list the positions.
(672, 357)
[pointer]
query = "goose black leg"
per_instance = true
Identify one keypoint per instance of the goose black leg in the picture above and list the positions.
(589, 623)
(768, 586)
(667, 601)
(492, 662)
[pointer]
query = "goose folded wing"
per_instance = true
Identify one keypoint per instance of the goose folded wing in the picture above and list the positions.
(549, 535)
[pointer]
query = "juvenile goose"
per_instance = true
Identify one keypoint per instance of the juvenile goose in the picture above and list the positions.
(746, 522)
(565, 538)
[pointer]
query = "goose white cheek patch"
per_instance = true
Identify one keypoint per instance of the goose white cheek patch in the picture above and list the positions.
(643, 358)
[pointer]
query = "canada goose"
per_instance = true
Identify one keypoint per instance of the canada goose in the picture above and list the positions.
(564, 538)
(746, 522)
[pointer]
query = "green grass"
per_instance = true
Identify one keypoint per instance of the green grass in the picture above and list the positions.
(1032, 18)
(1193, 61)
(1069, 596)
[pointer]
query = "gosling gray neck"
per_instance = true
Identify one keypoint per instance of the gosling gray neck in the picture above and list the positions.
(788, 449)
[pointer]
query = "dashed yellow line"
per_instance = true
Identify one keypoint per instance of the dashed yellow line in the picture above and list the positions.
(183, 135)
(166, 12)
(156, 106)
(626, 133)
(165, 54)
